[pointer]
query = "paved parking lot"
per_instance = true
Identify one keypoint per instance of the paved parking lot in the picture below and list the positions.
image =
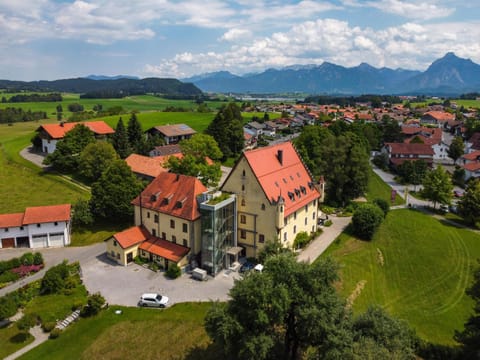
(124, 285)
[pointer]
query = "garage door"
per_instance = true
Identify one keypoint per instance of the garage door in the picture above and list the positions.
(56, 239)
(8, 243)
(39, 241)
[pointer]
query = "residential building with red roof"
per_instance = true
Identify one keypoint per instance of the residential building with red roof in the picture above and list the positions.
(146, 167)
(52, 133)
(172, 134)
(471, 164)
(429, 136)
(438, 118)
(398, 153)
(36, 227)
(277, 198)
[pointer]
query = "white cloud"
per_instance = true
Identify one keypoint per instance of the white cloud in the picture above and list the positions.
(236, 34)
(410, 46)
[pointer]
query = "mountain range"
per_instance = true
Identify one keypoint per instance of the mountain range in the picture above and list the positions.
(449, 75)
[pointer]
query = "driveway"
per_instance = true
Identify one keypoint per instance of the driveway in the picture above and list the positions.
(123, 285)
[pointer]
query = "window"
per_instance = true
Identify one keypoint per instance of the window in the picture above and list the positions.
(285, 221)
(148, 214)
(185, 228)
(263, 206)
(243, 173)
(172, 224)
(243, 202)
(55, 223)
(243, 234)
(154, 232)
(174, 239)
(6, 229)
(295, 215)
(39, 225)
(261, 238)
(313, 215)
(163, 235)
(114, 242)
(185, 242)
(306, 208)
(113, 253)
(243, 219)
(295, 229)
(118, 256)
(155, 218)
(306, 221)
(284, 236)
(21, 227)
(243, 187)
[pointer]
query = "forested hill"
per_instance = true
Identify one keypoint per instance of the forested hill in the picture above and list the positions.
(168, 87)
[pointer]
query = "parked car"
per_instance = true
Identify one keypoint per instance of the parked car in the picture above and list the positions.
(246, 266)
(153, 300)
(458, 193)
(444, 208)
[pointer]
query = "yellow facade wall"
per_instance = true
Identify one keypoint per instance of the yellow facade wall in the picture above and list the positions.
(118, 254)
(257, 217)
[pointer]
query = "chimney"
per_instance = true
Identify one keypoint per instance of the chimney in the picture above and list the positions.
(280, 156)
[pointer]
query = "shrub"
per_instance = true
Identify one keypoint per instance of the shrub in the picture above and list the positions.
(139, 260)
(9, 276)
(27, 259)
(8, 307)
(366, 219)
(55, 333)
(37, 258)
(77, 305)
(54, 279)
(383, 205)
(26, 322)
(301, 240)
(95, 303)
(153, 266)
(81, 213)
(174, 271)
(327, 223)
(48, 326)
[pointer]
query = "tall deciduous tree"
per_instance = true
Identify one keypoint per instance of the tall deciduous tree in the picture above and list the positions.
(437, 186)
(469, 205)
(456, 148)
(120, 140)
(114, 191)
(95, 158)
(67, 152)
(227, 130)
(195, 162)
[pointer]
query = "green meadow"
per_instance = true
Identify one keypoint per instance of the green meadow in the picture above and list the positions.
(416, 267)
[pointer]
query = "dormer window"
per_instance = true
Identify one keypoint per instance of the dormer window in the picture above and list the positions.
(39, 225)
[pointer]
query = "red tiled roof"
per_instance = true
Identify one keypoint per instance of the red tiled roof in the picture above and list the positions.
(173, 194)
(144, 165)
(286, 178)
(410, 149)
(475, 140)
(175, 130)
(11, 220)
(440, 116)
(472, 156)
(167, 149)
(58, 131)
(45, 214)
(132, 236)
(473, 166)
(165, 249)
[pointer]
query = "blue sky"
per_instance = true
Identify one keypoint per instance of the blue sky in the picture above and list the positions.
(53, 39)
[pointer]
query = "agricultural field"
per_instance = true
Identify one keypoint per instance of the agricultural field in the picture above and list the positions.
(416, 267)
(136, 333)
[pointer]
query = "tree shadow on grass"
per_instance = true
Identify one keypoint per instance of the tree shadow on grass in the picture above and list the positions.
(210, 352)
(20, 337)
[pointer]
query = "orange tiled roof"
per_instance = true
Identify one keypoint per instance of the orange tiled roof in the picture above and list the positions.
(172, 194)
(11, 220)
(288, 178)
(58, 131)
(441, 116)
(165, 249)
(144, 165)
(45, 214)
(473, 166)
(472, 156)
(132, 236)
(175, 130)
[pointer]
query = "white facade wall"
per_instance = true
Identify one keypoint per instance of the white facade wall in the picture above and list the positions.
(49, 146)
(34, 233)
(440, 151)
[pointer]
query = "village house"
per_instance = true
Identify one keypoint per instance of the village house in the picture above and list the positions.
(276, 195)
(36, 227)
(52, 133)
(429, 136)
(146, 167)
(165, 150)
(398, 153)
(437, 118)
(473, 143)
(471, 164)
(172, 134)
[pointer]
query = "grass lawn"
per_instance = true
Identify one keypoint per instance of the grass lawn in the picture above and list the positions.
(12, 339)
(378, 189)
(137, 333)
(95, 233)
(427, 265)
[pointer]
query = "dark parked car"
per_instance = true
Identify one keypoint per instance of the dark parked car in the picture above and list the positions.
(247, 266)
